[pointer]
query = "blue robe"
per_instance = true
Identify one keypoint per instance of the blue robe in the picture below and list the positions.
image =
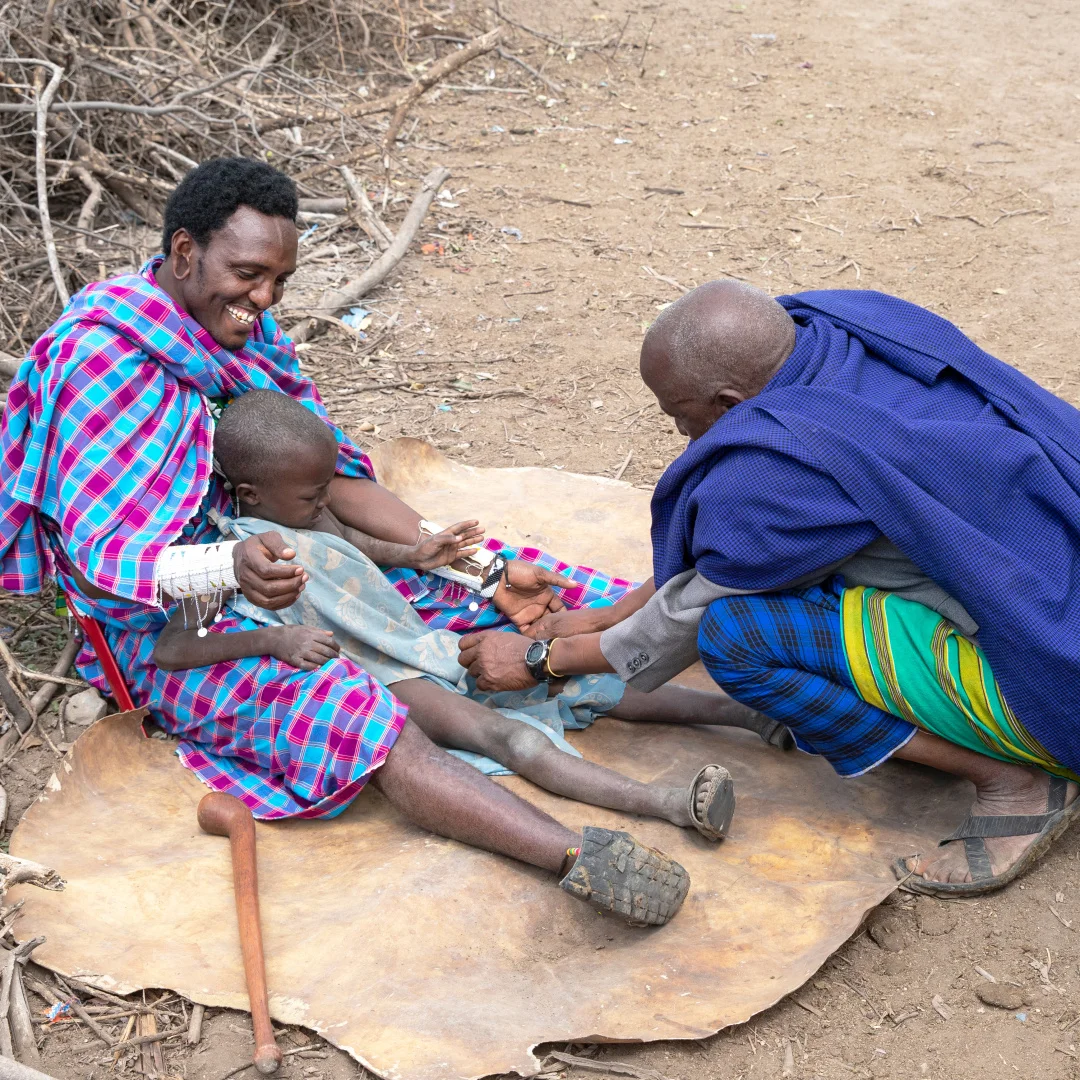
(886, 419)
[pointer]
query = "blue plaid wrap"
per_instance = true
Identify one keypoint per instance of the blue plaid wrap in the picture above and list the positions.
(783, 654)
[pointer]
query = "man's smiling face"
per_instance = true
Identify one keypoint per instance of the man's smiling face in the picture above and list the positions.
(239, 273)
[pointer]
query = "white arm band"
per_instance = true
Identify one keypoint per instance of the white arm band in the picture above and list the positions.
(185, 570)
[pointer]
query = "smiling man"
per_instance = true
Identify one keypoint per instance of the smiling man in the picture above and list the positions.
(873, 537)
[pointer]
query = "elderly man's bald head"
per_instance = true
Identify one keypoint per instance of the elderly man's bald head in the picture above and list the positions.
(714, 347)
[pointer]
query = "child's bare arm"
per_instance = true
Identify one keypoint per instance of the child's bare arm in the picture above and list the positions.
(179, 648)
(429, 553)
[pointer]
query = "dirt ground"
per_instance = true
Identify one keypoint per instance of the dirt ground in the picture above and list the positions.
(928, 150)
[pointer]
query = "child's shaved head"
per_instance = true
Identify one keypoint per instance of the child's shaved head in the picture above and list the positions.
(260, 430)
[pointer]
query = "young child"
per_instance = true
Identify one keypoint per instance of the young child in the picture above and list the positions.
(280, 458)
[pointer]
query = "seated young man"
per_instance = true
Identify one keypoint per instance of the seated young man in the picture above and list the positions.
(279, 458)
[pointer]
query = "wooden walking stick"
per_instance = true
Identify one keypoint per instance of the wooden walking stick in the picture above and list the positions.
(225, 815)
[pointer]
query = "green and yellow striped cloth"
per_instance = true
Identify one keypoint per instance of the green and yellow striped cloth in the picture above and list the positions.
(907, 660)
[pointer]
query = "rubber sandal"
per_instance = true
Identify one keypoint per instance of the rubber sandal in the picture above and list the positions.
(617, 873)
(773, 733)
(976, 829)
(719, 803)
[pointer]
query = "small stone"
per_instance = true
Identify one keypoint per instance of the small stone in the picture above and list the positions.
(365, 425)
(885, 931)
(1000, 995)
(656, 463)
(85, 708)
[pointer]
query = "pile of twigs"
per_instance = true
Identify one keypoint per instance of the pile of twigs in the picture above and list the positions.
(105, 104)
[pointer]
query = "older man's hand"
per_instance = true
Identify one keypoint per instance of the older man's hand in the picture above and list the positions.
(526, 592)
(265, 584)
(496, 660)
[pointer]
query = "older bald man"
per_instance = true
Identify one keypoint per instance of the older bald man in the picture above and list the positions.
(873, 537)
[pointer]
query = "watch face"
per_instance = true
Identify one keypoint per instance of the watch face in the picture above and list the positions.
(535, 653)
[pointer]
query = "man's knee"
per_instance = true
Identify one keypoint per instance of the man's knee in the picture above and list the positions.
(729, 642)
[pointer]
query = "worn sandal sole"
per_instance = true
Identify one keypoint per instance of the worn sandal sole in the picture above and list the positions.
(776, 734)
(947, 890)
(617, 873)
(719, 803)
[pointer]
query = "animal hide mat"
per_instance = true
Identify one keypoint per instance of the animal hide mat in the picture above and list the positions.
(426, 959)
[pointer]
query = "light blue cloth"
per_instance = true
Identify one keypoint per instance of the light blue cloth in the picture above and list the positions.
(379, 629)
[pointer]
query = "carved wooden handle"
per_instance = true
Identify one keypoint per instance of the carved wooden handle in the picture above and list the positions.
(225, 815)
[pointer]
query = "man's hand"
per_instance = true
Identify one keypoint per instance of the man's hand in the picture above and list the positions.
(457, 542)
(525, 592)
(496, 660)
(304, 647)
(264, 584)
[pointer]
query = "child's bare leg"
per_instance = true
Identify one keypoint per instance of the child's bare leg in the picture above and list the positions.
(455, 721)
(671, 704)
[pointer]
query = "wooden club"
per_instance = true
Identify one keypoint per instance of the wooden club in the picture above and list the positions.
(225, 815)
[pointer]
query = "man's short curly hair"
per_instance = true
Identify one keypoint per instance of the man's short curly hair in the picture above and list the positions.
(211, 193)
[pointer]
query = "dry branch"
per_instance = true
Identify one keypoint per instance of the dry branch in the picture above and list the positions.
(55, 679)
(393, 102)
(146, 91)
(334, 301)
(24, 714)
(22, 1025)
(372, 224)
(10, 1069)
(44, 97)
(554, 87)
(15, 871)
(439, 70)
(89, 207)
(7, 974)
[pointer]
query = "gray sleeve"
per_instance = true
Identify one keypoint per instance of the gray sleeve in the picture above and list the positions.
(660, 639)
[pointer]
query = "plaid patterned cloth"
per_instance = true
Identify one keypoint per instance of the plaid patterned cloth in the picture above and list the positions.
(783, 654)
(106, 459)
(107, 434)
(886, 420)
(106, 450)
(445, 605)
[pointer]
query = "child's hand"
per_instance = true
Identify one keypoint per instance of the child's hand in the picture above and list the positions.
(304, 647)
(457, 542)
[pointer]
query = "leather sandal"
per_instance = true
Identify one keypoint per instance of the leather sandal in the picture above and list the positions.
(974, 831)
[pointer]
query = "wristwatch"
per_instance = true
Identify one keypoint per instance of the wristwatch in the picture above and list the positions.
(536, 660)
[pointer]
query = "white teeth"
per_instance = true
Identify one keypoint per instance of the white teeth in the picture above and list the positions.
(246, 317)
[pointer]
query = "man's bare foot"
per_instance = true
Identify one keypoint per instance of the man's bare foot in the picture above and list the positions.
(1011, 789)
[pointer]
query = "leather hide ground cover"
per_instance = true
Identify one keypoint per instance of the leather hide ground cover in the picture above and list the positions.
(425, 959)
